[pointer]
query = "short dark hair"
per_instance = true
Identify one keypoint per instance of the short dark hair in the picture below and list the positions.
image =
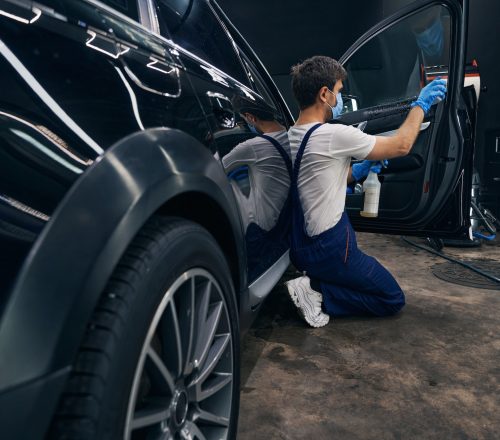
(309, 76)
(260, 110)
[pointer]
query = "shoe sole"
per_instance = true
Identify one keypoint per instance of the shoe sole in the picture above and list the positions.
(307, 305)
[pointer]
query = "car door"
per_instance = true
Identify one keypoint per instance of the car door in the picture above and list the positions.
(426, 192)
(228, 87)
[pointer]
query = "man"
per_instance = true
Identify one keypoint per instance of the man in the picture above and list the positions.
(323, 243)
(266, 207)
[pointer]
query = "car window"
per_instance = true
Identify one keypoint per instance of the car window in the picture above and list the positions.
(257, 82)
(126, 7)
(396, 63)
(193, 25)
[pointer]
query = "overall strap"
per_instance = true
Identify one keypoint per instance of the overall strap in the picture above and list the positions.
(300, 152)
(281, 150)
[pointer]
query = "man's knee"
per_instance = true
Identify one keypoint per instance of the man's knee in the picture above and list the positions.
(395, 305)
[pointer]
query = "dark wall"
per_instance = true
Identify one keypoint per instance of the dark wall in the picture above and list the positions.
(484, 46)
(286, 32)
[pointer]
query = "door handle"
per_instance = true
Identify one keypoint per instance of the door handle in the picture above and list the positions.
(105, 45)
(362, 125)
(153, 74)
(423, 126)
(223, 109)
(20, 13)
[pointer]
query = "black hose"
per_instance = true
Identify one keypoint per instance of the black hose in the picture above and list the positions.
(461, 263)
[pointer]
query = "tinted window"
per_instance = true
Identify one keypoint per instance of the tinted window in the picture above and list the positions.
(398, 62)
(258, 83)
(127, 7)
(193, 25)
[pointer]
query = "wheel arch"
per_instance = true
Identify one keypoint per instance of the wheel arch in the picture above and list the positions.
(204, 210)
(161, 171)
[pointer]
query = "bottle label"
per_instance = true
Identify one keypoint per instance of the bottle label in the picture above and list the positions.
(371, 200)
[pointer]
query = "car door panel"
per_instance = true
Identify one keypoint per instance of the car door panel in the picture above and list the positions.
(425, 192)
(225, 95)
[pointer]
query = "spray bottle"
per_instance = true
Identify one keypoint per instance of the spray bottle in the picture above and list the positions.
(371, 188)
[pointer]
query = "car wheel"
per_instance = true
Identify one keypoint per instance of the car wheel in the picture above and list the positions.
(160, 357)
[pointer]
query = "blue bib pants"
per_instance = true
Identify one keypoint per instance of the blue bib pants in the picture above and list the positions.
(265, 247)
(351, 282)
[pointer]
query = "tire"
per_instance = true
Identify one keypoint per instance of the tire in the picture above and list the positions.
(161, 350)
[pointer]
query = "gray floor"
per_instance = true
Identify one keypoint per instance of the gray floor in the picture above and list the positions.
(432, 372)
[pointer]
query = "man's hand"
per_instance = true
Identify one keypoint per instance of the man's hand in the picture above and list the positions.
(400, 144)
(361, 169)
(430, 93)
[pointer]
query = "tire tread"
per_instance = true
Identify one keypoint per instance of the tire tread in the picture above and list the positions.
(80, 404)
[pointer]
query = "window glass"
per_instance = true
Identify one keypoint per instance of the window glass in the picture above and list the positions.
(258, 83)
(398, 62)
(126, 7)
(193, 25)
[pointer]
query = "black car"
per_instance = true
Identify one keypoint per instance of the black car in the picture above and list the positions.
(133, 251)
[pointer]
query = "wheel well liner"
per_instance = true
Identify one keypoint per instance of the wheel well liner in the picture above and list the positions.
(201, 209)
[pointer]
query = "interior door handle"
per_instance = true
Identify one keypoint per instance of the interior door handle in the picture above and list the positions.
(423, 126)
(362, 125)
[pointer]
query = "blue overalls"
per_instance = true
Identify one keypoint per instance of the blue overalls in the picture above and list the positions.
(265, 247)
(351, 282)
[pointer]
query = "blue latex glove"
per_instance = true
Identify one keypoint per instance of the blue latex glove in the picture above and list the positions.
(361, 169)
(430, 93)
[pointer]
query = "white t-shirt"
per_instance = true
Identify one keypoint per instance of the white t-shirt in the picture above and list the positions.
(269, 178)
(323, 172)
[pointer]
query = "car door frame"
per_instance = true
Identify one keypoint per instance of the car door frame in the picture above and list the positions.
(451, 218)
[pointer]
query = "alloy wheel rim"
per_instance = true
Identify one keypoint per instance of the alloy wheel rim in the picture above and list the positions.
(183, 381)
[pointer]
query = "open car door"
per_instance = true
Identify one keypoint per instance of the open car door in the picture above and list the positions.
(427, 192)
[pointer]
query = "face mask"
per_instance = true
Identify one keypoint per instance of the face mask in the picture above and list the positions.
(431, 40)
(337, 110)
(252, 128)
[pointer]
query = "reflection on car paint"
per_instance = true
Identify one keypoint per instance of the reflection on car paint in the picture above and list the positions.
(258, 167)
(45, 96)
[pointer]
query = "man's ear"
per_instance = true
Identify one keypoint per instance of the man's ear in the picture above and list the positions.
(323, 94)
(251, 118)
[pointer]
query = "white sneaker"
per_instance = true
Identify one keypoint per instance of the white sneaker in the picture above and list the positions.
(308, 301)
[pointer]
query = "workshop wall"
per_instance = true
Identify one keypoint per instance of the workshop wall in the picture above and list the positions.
(285, 32)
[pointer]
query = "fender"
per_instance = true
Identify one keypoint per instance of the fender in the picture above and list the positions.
(74, 256)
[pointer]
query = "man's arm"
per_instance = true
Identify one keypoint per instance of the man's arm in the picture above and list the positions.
(242, 154)
(388, 147)
(400, 144)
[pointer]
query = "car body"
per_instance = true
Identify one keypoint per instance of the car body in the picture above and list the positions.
(116, 112)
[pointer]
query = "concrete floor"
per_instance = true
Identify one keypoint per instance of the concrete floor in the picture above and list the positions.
(432, 372)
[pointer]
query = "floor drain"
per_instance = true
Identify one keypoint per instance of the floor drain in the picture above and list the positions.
(454, 273)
